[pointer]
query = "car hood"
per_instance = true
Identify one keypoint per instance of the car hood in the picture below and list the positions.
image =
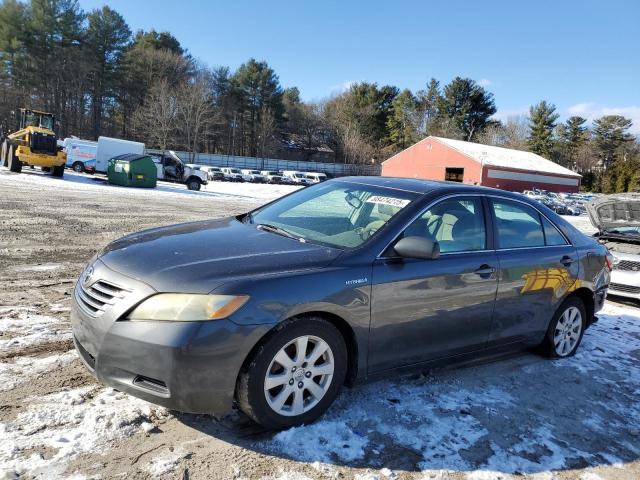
(613, 211)
(198, 257)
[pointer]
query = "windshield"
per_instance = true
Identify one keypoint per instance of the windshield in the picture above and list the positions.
(299, 175)
(234, 170)
(337, 214)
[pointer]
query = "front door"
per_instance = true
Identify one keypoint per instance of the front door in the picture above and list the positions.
(428, 309)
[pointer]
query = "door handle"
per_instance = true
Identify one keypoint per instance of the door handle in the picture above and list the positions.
(485, 270)
(566, 260)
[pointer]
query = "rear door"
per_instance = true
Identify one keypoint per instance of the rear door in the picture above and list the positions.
(537, 268)
(427, 309)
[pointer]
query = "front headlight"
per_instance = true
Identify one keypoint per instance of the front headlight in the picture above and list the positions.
(185, 307)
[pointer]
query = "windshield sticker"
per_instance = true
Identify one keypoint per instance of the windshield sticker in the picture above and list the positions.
(394, 202)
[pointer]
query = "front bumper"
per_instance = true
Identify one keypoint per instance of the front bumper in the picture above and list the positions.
(187, 366)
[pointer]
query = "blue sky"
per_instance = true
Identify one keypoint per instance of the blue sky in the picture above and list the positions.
(583, 56)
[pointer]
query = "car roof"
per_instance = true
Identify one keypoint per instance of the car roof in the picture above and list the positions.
(426, 186)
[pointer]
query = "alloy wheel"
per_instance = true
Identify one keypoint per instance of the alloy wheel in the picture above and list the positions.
(299, 376)
(567, 332)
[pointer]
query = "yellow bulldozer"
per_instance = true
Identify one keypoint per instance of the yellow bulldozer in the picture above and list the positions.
(33, 144)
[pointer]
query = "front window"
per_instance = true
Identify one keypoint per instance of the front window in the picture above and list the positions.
(341, 215)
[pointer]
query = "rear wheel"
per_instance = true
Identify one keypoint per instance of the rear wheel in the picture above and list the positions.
(295, 375)
(565, 330)
(58, 171)
(3, 154)
(14, 163)
(78, 167)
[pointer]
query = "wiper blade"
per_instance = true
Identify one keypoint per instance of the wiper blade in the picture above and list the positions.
(278, 230)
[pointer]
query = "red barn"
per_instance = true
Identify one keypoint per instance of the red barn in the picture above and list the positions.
(437, 158)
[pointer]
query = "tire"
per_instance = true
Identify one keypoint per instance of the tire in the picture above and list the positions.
(565, 331)
(57, 171)
(193, 185)
(294, 392)
(3, 154)
(78, 167)
(13, 162)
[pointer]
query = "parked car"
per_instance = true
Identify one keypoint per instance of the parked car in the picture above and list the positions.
(254, 176)
(617, 218)
(297, 178)
(214, 173)
(346, 280)
(233, 174)
(272, 176)
(316, 177)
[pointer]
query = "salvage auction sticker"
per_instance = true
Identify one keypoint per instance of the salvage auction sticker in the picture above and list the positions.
(394, 202)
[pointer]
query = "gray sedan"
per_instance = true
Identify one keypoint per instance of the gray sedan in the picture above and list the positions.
(275, 310)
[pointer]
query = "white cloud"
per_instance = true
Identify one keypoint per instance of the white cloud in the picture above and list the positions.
(484, 82)
(504, 115)
(341, 87)
(591, 111)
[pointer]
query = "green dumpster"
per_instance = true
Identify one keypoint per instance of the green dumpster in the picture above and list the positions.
(131, 170)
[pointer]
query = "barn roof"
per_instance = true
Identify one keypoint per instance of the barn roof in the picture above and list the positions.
(505, 157)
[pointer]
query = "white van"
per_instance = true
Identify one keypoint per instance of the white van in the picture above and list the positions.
(254, 176)
(297, 177)
(316, 177)
(112, 147)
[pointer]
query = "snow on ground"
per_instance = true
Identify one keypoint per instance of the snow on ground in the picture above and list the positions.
(21, 369)
(79, 181)
(582, 223)
(453, 418)
(57, 427)
(21, 327)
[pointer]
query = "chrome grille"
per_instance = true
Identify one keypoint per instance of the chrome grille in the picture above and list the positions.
(97, 297)
(624, 288)
(627, 265)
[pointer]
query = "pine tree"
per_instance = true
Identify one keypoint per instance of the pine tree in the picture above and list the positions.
(402, 121)
(467, 106)
(611, 138)
(542, 121)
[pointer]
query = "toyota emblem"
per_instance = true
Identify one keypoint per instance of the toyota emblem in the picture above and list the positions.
(88, 273)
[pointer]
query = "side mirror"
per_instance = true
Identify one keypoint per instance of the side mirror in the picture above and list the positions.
(417, 247)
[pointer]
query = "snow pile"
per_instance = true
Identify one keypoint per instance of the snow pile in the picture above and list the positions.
(321, 441)
(21, 327)
(22, 369)
(166, 462)
(57, 427)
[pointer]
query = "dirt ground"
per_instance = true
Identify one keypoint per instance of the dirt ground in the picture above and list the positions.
(519, 417)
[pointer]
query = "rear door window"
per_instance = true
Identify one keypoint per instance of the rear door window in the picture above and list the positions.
(551, 234)
(518, 225)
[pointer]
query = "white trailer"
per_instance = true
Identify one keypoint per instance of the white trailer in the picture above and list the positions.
(112, 147)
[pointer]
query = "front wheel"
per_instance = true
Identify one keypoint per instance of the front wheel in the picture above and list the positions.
(565, 330)
(13, 162)
(295, 375)
(193, 185)
(78, 167)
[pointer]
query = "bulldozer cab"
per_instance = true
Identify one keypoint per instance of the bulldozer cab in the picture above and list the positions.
(35, 118)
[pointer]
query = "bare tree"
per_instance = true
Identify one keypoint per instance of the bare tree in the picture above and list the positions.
(267, 127)
(156, 119)
(195, 110)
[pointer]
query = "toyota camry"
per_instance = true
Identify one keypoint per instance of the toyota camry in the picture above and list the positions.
(273, 311)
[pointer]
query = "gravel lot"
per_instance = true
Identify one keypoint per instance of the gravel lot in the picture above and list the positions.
(520, 417)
